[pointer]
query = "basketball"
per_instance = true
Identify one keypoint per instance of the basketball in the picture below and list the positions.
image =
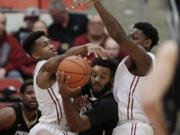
(77, 68)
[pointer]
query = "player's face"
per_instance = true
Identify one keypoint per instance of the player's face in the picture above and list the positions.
(29, 99)
(100, 77)
(96, 27)
(139, 38)
(44, 49)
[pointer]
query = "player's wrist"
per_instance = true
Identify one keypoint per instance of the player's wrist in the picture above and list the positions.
(65, 95)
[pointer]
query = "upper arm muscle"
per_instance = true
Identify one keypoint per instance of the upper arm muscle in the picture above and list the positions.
(138, 55)
(7, 118)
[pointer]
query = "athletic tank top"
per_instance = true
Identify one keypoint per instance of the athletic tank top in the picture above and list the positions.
(50, 102)
(127, 93)
(19, 127)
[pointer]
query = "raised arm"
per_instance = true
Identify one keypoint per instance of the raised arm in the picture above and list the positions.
(46, 75)
(137, 53)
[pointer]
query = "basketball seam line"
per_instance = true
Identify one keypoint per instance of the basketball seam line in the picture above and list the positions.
(74, 73)
(77, 64)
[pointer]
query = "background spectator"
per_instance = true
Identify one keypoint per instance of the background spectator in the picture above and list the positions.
(9, 52)
(31, 15)
(113, 50)
(66, 26)
(41, 26)
(14, 62)
(95, 34)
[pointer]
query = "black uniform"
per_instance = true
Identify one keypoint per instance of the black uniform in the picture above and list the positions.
(19, 127)
(103, 114)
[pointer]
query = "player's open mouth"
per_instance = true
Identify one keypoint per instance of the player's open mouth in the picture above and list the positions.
(33, 102)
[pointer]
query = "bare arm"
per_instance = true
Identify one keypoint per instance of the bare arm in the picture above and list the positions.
(76, 122)
(46, 75)
(158, 84)
(138, 54)
(8, 117)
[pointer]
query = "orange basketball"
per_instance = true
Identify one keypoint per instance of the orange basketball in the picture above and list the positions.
(77, 68)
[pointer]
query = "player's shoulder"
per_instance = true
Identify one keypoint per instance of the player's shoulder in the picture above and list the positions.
(108, 101)
(40, 64)
(8, 112)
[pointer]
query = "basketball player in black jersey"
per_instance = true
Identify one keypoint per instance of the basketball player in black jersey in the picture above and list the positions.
(166, 73)
(102, 115)
(19, 118)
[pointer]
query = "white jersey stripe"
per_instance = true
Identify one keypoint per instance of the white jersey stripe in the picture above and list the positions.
(49, 91)
(132, 128)
(130, 97)
(133, 97)
(135, 129)
(58, 104)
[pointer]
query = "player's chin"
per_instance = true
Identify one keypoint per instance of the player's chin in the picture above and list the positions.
(33, 105)
(97, 89)
(33, 108)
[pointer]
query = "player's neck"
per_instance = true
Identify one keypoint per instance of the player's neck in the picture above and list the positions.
(30, 115)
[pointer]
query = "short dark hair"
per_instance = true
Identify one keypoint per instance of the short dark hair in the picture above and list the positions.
(149, 31)
(29, 42)
(108, 63)
(25, 84)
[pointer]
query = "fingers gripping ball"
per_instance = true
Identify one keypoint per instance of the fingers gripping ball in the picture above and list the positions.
(77, 69)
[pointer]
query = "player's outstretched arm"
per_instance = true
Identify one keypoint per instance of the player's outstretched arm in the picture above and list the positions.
(138, 54)
(45, 76)
(8, 117)
(76, 123)
(158, 84)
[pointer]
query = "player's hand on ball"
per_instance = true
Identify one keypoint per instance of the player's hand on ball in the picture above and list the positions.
(97, 50)
(64, 89)
(82, 2)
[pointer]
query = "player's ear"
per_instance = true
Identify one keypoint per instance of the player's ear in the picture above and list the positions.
(148, 43)
(35, 55)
